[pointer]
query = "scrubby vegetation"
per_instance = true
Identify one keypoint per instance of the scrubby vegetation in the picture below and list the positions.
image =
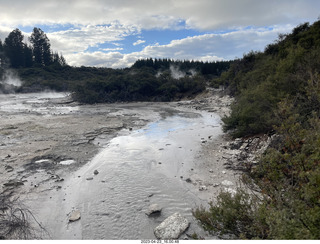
(17, 222)
(276, 91)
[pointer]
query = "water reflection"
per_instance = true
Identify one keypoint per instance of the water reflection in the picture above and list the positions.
(135, 171)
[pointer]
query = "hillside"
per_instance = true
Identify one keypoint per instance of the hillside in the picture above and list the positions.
(277, 92)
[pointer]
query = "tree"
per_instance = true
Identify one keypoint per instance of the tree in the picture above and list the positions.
(41, 47)
(28, 57)
(14, 48)
(1, 54)
(58, 59)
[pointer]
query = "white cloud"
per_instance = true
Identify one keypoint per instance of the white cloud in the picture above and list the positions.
(112, 49)
(96, 22)
(78, 40)
(147, 14)
(138, 42)
(207, 47)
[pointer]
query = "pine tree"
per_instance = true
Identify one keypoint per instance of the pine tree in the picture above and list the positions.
(14, 48)
(41, 47)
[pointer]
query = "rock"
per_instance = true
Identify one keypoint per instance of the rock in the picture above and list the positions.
(172, 227)
(227, 183)
(153, 209)
(188, 180)
(236, 144)
(8, 168)
(224, 172)
(96, 172)
(202, 188)
(74, 216)
(89, 178)
(211, 170)
(13, 183)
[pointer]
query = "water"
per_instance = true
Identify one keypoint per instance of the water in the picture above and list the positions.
(36, 103)
(135, 171)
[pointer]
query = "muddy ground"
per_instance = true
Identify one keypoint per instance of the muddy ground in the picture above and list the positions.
(39, 148)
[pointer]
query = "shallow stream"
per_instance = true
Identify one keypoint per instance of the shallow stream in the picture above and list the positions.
(137, 168)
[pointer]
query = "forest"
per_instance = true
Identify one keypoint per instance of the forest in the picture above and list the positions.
(277, 92)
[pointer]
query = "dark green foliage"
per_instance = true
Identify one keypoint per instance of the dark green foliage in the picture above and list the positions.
(41, 47)
(260, 81)
(14, 48)
(277, 90)
(238, 216)
(287, 178)
(133, 85)
(186, 66)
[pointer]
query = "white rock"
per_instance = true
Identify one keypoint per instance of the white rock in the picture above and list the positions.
(75, 215)
(172, 227)
(227, 183)
(153, 208)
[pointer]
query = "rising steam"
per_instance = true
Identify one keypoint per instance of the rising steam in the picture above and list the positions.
(9, 82)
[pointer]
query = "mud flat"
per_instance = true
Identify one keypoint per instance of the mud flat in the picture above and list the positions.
(51, 152)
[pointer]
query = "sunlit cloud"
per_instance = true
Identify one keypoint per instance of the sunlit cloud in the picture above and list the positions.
(138, 42)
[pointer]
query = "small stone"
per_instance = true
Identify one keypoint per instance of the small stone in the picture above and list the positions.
(96, 172)
(74, 216)
(224, 172)
(153, 209)
(188, 180)
(202, 188)
(89, 178)
(211, 170)
(226, 183)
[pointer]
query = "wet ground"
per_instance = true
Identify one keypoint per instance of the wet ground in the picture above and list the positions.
(110, 162)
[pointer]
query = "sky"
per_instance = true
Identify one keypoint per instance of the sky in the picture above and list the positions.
(115, 33)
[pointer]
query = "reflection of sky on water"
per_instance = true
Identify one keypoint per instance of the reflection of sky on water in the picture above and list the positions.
(163, 127)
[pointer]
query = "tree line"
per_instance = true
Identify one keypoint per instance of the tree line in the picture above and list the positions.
(15, 53)
(188, 66)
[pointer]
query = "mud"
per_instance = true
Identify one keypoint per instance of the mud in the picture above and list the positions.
(46, 140)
